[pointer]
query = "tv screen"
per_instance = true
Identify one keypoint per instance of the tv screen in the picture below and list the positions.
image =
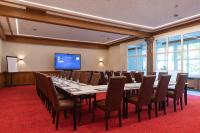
(67, 61)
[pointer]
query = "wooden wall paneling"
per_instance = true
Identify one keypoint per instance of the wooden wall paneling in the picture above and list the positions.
(2, 79)
(28, 78)
(194, 83)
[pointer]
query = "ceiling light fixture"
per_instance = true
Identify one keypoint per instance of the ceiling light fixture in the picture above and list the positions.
(17, 26)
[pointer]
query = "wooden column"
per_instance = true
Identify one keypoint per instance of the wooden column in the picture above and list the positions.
(149, 42)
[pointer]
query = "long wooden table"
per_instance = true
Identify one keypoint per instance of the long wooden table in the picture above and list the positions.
(77, 89)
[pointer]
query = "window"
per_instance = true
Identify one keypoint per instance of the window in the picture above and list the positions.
(180, 53)
(191, 53)
(137, 57)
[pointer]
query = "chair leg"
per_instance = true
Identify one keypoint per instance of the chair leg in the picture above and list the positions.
(65, 114)
(167, 101)
(57, 119)
(74, 117)
(149, 111)
(89, 110)
(174, 105)
(164, 107)
(93, 112)
(181, 102)
(138, 112)
(54, 116)
(106, 120)
(156, 109)
(108, 115)
(120, 119)
(80, 115)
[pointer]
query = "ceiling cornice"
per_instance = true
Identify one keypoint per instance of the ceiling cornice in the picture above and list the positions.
(177, 27)
(54, 42)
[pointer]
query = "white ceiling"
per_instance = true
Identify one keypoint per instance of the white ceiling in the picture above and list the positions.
(149, 13)
(37, 29)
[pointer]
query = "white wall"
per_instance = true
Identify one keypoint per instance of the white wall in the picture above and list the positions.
(0, 53)
(41, 57)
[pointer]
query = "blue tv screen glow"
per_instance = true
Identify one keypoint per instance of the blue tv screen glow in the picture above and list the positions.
(67, 61)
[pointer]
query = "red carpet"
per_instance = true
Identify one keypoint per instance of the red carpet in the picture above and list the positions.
(21, 111)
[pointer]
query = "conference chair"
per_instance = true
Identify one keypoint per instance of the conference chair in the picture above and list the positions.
(161, 93)
(161, 73)
(178, 74)
(145, 95)
(128, 77)
(85, 77)
(109, 74)
(60, 105)
(138, 77)
(103, 80)
(178, 91)
(117, 73)
(152, 73)
(113, 99)
(95, 79)
(132, 73)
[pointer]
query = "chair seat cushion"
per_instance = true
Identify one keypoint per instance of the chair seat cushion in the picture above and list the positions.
(60, 96)
(133, 100)
(67, 104)
(101, 104)
(170, 94)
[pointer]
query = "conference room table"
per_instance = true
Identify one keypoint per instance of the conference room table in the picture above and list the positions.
(76, 89)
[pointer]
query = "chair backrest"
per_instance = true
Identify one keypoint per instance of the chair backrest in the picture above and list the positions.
(180, 85)
(152, 73)
(177, 76)
(85, 77)
(109, 74)
(133, 73)
(95, 79)
(161, 73)
(73, 76)
(37, 81)
(114, 93)
(68, 74)
(52, 92)
(161, 90)
(138, 77)
(128, 77)
(146, 90)
(103, 80)
(116, 73)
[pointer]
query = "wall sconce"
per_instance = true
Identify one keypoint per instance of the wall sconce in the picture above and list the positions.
(101, 61)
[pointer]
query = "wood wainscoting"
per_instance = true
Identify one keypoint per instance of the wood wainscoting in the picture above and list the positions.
(194, 83)
(2, 79)
(21, 78)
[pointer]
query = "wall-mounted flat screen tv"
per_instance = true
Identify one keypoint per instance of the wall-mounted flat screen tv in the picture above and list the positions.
(67, 61)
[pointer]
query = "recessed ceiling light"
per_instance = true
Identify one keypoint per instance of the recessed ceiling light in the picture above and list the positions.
(176, 6)
(34, 29)
(175, 15)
